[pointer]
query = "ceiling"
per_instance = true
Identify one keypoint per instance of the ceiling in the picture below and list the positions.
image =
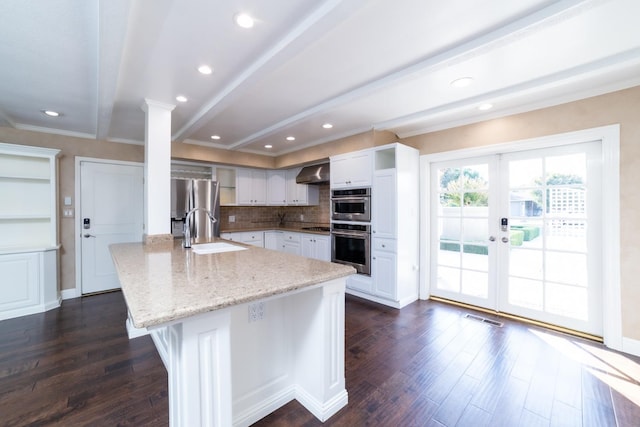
(357, 64)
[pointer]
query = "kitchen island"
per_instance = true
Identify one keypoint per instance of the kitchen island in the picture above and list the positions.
(241, 333)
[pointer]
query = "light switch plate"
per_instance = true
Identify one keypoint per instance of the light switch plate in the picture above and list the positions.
(67, 212)
(232, 218)
(67, 201)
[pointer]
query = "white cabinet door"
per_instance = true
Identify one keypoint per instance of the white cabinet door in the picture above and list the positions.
(255, 238)
(323, 248)
(384, 203)
(273, 240)
(300, 194)
(277, 187)
(291, 243)
(383, 272)
(19, 286)
(352, 169)
(316, 246)
(251, 187)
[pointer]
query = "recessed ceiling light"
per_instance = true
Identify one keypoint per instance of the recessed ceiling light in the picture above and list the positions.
(205, 69)
(268, 146)
(327, 125)
(51, 113)
(181, 98)
(215, 137)
(243, 20)
(462, 82)
(291, 138)
(486, 106)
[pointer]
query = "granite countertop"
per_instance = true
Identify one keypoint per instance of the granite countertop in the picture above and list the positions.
(166, 282)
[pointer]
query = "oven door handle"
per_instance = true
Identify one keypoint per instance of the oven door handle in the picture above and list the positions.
(350, 199)
(356, 235)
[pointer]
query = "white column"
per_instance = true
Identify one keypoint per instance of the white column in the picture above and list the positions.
(157, 162)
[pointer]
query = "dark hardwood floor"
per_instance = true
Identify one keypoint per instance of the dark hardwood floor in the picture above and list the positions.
(425, 365)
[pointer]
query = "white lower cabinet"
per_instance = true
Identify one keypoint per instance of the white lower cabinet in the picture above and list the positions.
(383, 268)
(29, 283)
(306, 244)
(273, 240)
(291, 243)
(316, 246)
(255, 238)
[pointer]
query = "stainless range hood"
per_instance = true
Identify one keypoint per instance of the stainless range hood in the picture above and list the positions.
(316, 174)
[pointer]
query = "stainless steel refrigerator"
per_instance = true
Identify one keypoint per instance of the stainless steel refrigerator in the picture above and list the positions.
(187, 194)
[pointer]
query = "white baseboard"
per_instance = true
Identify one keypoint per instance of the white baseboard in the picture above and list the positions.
(134, 332)
(631, 346)
(322, 411)
(69, 293)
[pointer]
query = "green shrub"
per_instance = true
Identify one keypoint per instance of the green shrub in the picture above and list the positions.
(530, 231)
(516, 237)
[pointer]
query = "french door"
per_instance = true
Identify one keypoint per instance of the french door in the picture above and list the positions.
(520, 233)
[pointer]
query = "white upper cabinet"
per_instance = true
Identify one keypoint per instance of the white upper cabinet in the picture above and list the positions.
(384, 204)
(251, 186)
(277, 187)
(300, 194)
(352, 169)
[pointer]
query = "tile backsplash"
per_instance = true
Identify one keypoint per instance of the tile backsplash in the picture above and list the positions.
(268, 216)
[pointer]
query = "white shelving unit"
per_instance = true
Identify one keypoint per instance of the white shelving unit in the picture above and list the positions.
(29, 230)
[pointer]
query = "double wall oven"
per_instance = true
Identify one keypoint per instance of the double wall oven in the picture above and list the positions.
(351, 228)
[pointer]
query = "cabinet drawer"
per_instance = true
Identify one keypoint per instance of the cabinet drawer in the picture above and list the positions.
(291, 237)
(388, 245)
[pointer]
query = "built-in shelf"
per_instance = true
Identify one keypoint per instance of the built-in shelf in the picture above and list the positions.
(29, 230)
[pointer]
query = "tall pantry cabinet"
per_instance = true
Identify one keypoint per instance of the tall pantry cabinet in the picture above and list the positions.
(28, 230)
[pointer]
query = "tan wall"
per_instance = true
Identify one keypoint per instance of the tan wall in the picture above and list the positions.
(622, 108)
(70, 148)
(345, 145)
(193, 152)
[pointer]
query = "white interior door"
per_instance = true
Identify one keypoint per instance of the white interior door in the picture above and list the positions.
(521, 233)
(111, 211)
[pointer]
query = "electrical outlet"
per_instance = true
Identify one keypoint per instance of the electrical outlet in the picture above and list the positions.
(232, 218)
(301, 217)
(256, 311)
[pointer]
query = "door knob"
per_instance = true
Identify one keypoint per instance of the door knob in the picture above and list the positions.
(88, 235)
(505, 239)
(492, 238)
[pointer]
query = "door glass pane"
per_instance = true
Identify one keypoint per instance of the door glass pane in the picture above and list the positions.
(567, 234)
(567, 301)
(525, 293)
(565, 267)
(449, 279)
(525, 203)
(475, 283)
(449, 242)
(525, 173)
(525, 263)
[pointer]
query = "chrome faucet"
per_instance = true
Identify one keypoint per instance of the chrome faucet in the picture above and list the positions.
(186, 243)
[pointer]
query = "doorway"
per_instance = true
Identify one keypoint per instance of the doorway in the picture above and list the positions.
(521, 231)
(110, 199)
